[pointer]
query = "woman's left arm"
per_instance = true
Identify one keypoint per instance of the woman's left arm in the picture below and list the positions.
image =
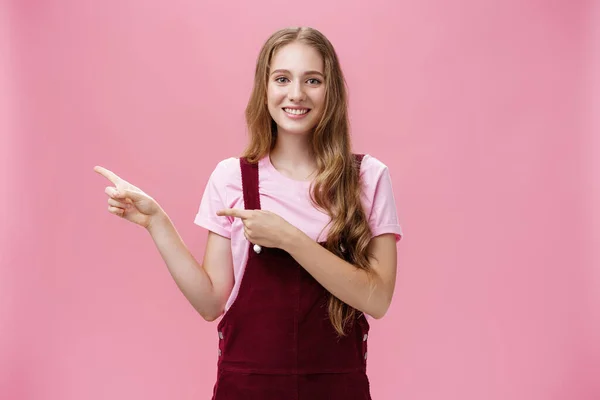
(370, 292)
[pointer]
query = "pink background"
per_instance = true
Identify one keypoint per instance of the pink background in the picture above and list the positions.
(486, 113)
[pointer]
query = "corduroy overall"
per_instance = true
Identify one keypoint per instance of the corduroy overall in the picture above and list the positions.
(276, 340)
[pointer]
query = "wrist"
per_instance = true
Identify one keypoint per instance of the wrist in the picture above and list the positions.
(291, 239)
(157, 222)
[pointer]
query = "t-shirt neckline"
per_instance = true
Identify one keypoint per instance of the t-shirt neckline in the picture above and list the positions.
(267, 165)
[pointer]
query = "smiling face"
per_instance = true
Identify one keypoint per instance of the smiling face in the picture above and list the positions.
(296, 88)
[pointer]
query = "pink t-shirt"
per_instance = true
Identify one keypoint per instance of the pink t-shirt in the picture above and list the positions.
(289, 199)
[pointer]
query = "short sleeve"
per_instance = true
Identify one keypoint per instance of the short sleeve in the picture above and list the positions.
(383, 216)
(213, 200)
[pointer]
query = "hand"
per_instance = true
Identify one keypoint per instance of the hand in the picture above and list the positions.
(262, 227)
(128, 201)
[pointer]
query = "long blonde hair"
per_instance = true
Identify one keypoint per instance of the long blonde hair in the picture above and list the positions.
(336, 188)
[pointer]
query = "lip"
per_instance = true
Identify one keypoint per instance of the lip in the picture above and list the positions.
(294, 116)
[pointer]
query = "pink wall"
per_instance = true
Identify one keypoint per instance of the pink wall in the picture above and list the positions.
(10, 233)
(591, 198)
(482, 110)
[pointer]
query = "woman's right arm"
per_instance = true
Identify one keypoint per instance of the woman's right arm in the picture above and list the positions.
(208, 286)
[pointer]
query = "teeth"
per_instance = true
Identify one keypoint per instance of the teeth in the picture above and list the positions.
(295, 112)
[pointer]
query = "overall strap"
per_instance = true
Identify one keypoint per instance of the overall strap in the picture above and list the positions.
(250, 184)
(358, 158)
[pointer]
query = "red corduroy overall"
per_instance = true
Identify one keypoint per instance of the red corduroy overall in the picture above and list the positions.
(276, 340)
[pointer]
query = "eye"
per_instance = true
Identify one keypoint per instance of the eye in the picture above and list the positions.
(279, 79)
(314, 81)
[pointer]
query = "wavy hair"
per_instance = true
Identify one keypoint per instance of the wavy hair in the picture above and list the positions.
(336, 188)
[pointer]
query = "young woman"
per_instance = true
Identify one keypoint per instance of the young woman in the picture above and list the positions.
(302, 236)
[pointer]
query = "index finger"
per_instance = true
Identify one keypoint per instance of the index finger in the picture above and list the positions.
(234, 212)
(111, 176)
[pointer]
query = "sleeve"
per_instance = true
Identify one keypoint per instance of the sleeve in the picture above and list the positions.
(213, 200)
(384, 217)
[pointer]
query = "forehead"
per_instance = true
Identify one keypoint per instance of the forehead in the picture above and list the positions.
(297, 57)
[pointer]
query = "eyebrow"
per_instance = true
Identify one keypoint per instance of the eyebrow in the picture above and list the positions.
(278, 71)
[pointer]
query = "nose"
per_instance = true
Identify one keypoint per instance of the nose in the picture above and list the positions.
(296, 91)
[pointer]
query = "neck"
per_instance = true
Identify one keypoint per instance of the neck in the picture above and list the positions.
(293, 152)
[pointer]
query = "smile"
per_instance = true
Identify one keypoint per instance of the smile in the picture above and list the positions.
(296, 111)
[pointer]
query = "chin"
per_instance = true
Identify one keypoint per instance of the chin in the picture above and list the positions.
(296, 130)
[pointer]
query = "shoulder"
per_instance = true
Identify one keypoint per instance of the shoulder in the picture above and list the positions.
(227, 170)
(372, 169)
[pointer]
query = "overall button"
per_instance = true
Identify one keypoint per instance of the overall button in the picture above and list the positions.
(220, 335)
(364, 337)
(219, 352)
(365, 355)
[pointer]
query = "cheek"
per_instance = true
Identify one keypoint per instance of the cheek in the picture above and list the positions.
(319, 98)
(274, 95)
(319, 103)
(270, 101)
(272, 106)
